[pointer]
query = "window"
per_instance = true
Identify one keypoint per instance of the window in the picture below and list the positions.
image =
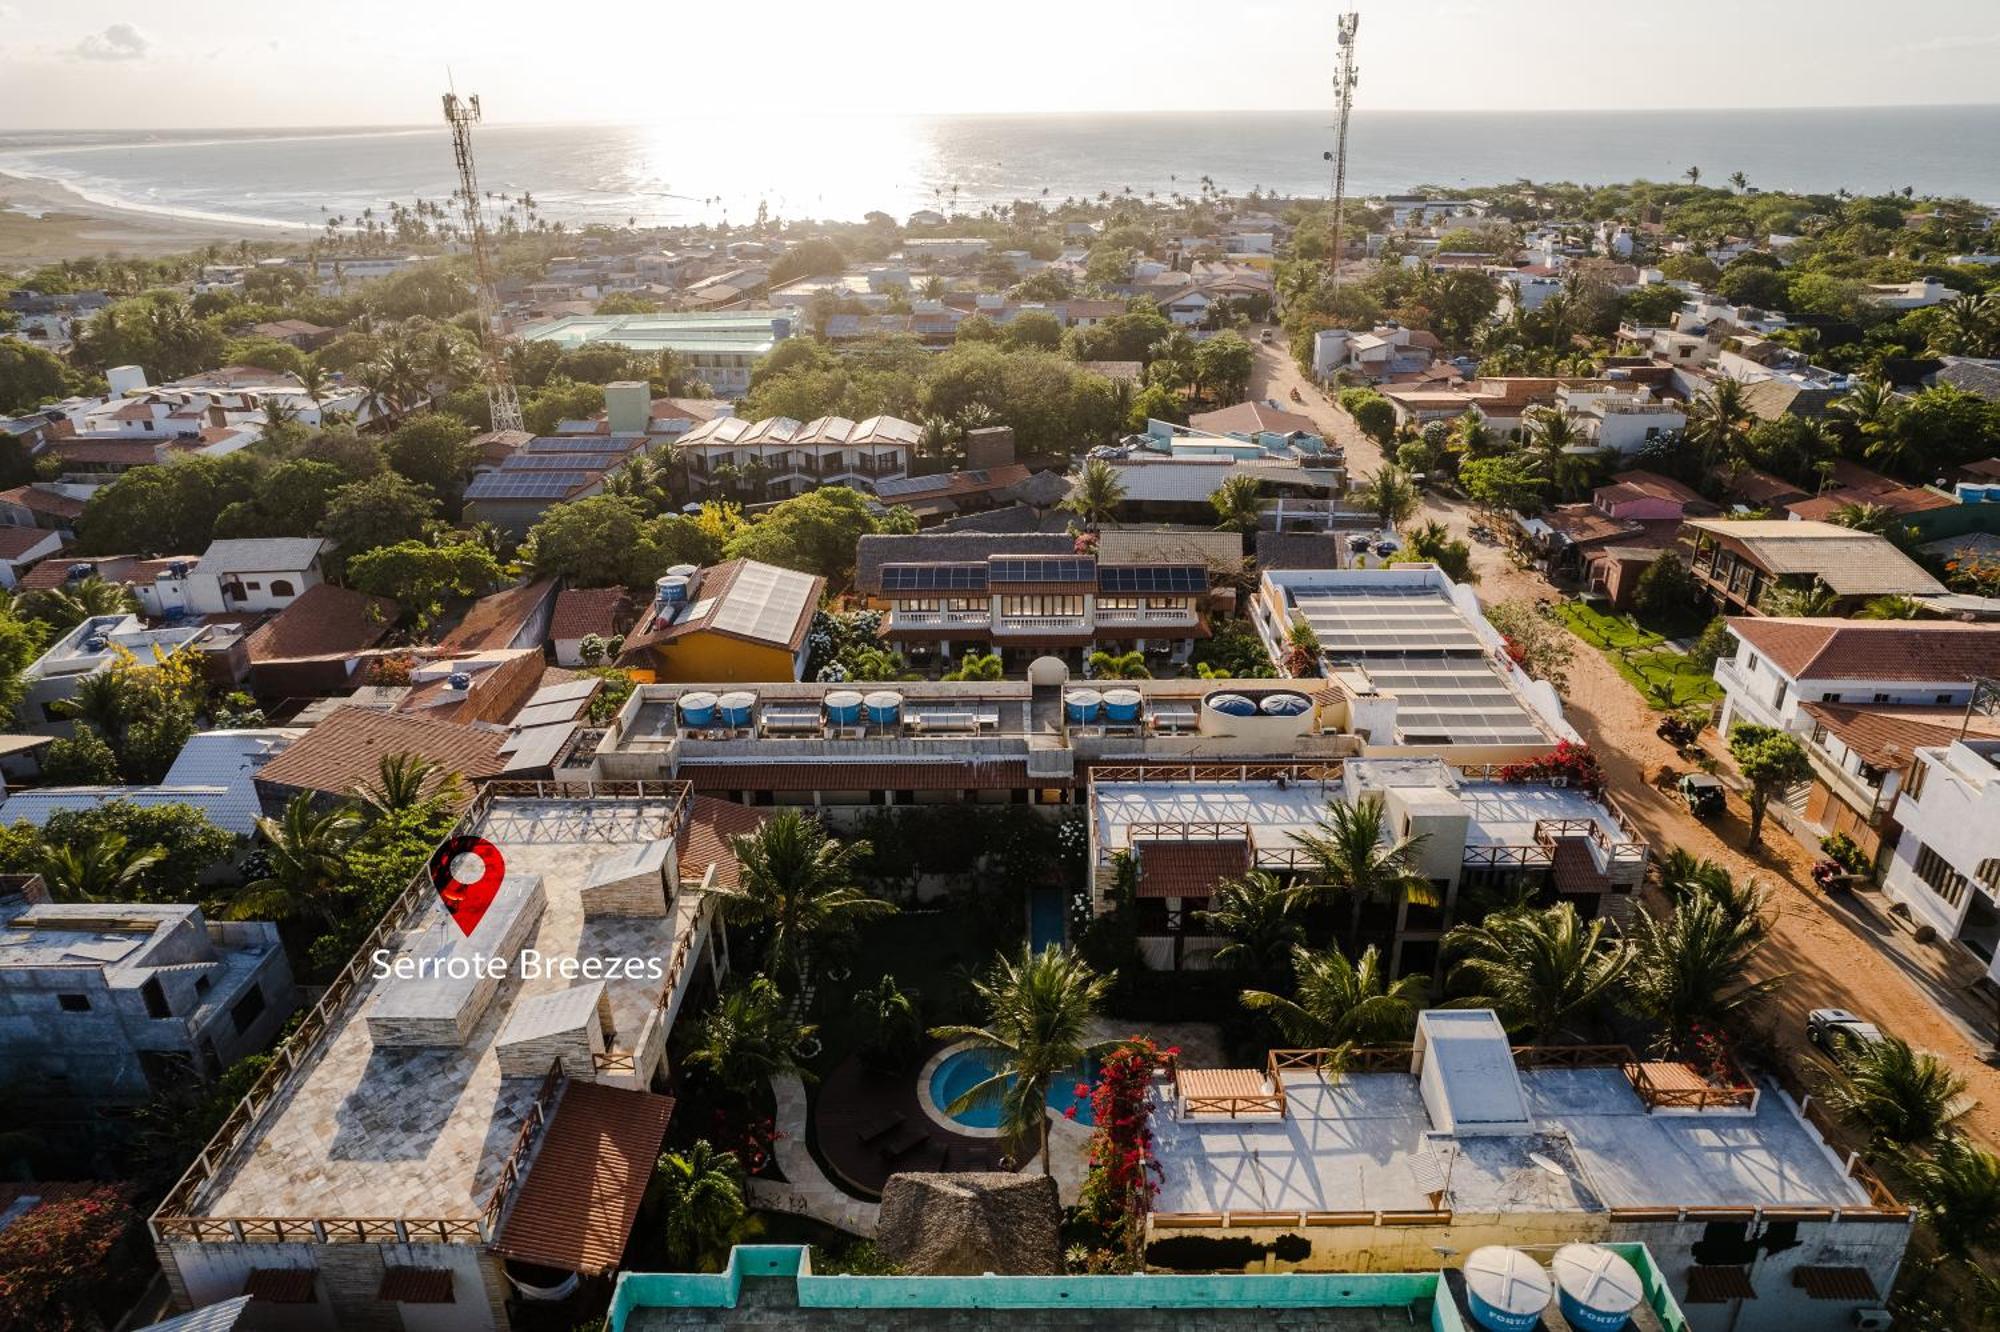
(1749, 662)
(282, 587)
(155, 999)
(1945, 700)
(1937, 872)
(1829, 698)
(1118, 603)
(74, 1003)
(203, 984)
(247, 1010)
(1041, 604)
(1881, 698)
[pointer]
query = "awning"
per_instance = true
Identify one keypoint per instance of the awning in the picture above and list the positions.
(1852, 1284)
(575, 1209)
(416, 1285)
(1718, 1285)
(281, 1285)
(1189, 869)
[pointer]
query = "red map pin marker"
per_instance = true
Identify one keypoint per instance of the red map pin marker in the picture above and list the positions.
(467, 902)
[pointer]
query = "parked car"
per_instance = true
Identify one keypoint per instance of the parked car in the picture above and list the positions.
(1835, 1032)
(1703, 794)
(1264, 336)
(1358, 542)
(1385, 548)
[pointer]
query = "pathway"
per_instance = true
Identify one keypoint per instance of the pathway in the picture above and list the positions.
(805, 1190)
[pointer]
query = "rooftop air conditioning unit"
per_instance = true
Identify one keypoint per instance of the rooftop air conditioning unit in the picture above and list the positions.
(1873, 1320)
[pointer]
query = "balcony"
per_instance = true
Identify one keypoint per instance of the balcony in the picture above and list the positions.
(902, 619)
(1041, 624)
(1184, 617)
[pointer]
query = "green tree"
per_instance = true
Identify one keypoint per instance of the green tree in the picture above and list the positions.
(1897, 1094)
(602, 541)
(749, 1038)
(1095, 492)
(169, 509)
(306, 856)
(1118, 666)
(1771, 760)
(63, 608)
(1502, 484)
(1433, 542)
(31, 376)
(406, 780)
(698, 1194)
(800, 884)
(189, 845)
(380, 511)
(1256, 917)
(816, 256)
(1237, 504)
(1338, 1003)
(1719, 423)
(106, 868)
(891, 1025)
(1371, 412)
(1666, 590)
(1033, 329)
(1539, 970)
(1389, 494)
(433, 450)
(978, 666)
(1038, 1012)
(291, 499)
(1223, 366)
(1957, 1189)
(418, 576)
(1692, 969)
(81, 759)
(814, 533)
(1353, 855)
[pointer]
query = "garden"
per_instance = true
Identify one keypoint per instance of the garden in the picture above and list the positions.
(1642, 651)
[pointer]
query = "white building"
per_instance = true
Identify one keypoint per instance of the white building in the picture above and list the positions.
(236, 577)
(787, 457)
(1781, 664)
(1916, 295)
(1623, 417)
(1946, 866)
(52, 678)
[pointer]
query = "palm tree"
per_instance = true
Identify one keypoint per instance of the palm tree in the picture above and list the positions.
(1891, 608)
(1473, 437)
(65, 607)
(1389, 494)
(1693, 175)
(107, 868)
(1719, 424)
(1967, 326)
(1874, 413)
(1339, 1003)
(1693, 968)
(698, 1194)
(1118, 666)
(1957, 1189)
(1540, 970)
(1255, 916)
(978, 666)
(405, 780)
(1560, 445)
(1353, 856)
(1784, 602)
(799, 882)
(101, 700)
(1038, 1011)
(1095, 492)
(1900, 1095)
(1863, 516)
(750, 1037)
(306, 853)
(1236, 504)
(1740, 181)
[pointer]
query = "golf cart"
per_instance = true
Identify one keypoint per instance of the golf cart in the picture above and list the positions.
(1835, 1032)
(1703, 794)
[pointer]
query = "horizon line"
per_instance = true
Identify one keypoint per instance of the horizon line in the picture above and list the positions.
(1121, 113)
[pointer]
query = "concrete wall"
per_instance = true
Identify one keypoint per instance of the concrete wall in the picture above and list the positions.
(349, 1276)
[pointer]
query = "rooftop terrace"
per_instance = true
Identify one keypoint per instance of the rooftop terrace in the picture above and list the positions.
(364, 1117)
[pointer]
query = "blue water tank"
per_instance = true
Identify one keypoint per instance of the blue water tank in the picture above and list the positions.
(1121, 705)
(698, 709)
(843, 707)
(1596, 1288)
(1285, 705)
(885, 707)
(1231, 705)
(736, 707)
(1082, 705)
(671, 590)
(1505, 1289)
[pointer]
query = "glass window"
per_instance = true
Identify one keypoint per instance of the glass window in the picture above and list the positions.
(1045, 603)
(74, 1003)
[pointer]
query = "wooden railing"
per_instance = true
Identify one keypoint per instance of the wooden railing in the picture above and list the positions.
(1322, 774)
(1737, 1096)
(1292, 1220)
(524, 1144)
(1269, 1103)
(175, 1218)
(1187, 831)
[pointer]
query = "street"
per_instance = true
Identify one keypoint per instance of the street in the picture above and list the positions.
(1839, 953)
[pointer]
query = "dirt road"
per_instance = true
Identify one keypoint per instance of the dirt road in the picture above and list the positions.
(1838, 953)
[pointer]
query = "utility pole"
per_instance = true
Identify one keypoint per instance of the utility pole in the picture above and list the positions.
(501, 399)
(1343, 100)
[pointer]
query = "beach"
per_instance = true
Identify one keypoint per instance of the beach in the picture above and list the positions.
(42, 222)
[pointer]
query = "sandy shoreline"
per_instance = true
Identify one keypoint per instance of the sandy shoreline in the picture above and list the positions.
(72, 227)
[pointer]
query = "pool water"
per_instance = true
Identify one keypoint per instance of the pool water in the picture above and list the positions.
(959, 1072)
(1045, 918)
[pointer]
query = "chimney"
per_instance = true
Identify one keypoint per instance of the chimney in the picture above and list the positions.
(627, 406)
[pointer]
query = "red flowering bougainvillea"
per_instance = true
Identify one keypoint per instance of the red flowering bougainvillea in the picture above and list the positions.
(55, 1256)
(1572, 762)
(1124, 1174)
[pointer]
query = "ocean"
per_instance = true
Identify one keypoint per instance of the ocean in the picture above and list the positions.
(685, 170)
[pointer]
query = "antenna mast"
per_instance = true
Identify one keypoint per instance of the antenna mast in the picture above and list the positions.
(1343, 97)
(503, 402)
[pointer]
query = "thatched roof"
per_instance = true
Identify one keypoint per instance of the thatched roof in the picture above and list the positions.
(972, 1223)
(1043, 490)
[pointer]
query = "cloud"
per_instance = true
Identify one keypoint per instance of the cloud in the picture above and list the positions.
(120, 41)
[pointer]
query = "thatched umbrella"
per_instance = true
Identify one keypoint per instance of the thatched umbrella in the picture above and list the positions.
(972, 1223)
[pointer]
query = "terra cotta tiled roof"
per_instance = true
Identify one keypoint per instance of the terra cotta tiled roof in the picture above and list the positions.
(325, 621)
(575, 1209)
(582, 611)
(1886, 650)
(1189, 869)
(346, 749)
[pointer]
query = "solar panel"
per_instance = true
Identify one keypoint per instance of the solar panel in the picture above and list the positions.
(933, 578)
(1182, 578)
(556, 462)
(765, 602)
(581, 444)
(527, 485)
(1051, 570)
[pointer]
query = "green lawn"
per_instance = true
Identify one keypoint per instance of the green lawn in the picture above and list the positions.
(1640, 655)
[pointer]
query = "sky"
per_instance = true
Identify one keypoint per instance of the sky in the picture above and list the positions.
(163, 64)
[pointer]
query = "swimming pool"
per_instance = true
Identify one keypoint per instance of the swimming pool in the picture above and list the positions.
(962, 1070)
(1045, 918)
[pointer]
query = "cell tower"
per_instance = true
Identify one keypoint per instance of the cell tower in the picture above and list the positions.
(504, 402)
(1343, 97)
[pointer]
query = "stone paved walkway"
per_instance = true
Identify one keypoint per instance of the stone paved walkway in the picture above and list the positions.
(805, 1190)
